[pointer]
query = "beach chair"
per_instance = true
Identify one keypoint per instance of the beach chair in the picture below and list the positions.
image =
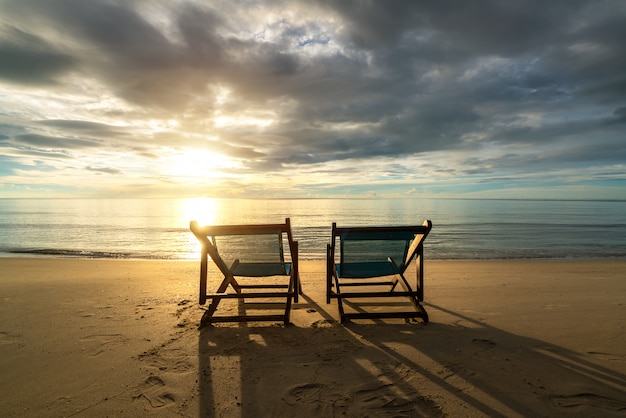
(253, 263)
(370, 264)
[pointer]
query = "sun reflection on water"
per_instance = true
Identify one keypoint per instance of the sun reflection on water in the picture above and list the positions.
(203, 210)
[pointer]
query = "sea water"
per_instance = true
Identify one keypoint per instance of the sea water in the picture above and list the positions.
(462, 228)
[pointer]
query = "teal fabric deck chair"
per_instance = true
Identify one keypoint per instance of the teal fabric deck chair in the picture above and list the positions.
(370, 264)
(254, 265)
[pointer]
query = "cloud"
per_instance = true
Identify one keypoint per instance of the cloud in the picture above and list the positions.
(28, 59)
(84, 127)
(295, 90)
(104, 170)
(54, 142)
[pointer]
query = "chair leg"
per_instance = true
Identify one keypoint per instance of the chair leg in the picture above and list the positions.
(211, 309)
(328, 287)
(298, 288)
(407, 287)
(287, 311)
(342, 315)
(330, 271)
(206, 319)
(203, 276)
(292, 292)
(424, 313)
(215, 300)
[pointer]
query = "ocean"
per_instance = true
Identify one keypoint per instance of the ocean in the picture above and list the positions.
(463, 229)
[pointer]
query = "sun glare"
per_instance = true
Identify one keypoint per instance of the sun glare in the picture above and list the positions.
(199, 164)
(203, 210)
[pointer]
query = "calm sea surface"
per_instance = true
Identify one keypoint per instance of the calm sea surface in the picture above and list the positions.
(462, 229)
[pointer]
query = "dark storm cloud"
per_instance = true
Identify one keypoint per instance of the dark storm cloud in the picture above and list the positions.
(116, 29)
(373, 25)
(28, 59)
(121, 48)
(620, 115)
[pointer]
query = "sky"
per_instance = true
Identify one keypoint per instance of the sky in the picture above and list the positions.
(313, 98)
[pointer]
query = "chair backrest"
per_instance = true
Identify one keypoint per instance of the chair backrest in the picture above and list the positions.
(258, 249)
(377, 251)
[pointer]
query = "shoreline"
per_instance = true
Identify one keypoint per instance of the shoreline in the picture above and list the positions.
(54, 256)
(97, 337)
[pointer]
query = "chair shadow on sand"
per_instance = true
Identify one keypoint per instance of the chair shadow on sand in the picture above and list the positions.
(392, 369)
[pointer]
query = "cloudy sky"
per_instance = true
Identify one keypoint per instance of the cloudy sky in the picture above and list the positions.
(313, 98)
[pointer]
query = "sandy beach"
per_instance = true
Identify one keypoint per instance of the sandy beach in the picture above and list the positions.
(87, 338)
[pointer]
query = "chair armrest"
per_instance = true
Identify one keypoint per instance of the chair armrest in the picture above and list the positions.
(394, 264)
(234, 265)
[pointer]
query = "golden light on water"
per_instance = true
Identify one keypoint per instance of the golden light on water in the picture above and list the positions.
(203, 210)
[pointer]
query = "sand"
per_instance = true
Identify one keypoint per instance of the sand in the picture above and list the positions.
(90, 338)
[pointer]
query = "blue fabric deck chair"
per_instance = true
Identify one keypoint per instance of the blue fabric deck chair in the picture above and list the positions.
(374, 260)
(254, 264)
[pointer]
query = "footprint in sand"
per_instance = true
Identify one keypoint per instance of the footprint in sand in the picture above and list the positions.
(390, 400)
(572, 402)
(153, 395)
(308, 392)
(318, 399)
(483, 342)
(171, 363)
(323, 323)
(141, 308)
(378, 400)
(99, 343)
(7, 338)
(455, 371)
(155, 381)
(168, 359)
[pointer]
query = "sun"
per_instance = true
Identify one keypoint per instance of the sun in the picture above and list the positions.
(196, 163)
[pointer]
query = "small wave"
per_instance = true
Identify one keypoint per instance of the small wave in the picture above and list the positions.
(71, 253)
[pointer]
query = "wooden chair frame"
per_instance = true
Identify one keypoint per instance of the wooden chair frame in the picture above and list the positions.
(289, 291)
(337, 284)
